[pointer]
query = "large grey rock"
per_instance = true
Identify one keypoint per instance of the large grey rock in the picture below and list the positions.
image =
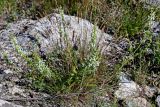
(8, 104)
(46, 34)
(51, 28)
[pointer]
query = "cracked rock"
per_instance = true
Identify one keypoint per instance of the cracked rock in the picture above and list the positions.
(137, 102)
(8, 104)
(127, 88)
(150, 91)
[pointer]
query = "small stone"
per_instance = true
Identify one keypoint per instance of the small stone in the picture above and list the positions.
(8, 71)
(158, 100)
(150, 91)
(1, 77)
(154, 25)
(127, 87)
(2, 23)
(126, 90)
(124, 44)
(149, 51)
(16, 90)
(110, 31)
(124, 78)
(137, 102)
(1, 71)
(155, 3)
(109, 48)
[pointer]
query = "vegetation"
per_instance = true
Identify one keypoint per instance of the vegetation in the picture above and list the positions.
(82, 71)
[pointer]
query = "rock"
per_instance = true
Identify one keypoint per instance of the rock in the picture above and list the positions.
(130, 89)
(46, 34)
(137, 102)
(2, 23)
(158, 100)
(155, 26)
(150, 91)
(124, 78)
(1, 86)
(43, 36)
(127, 88)
(51, 29)
(130, 92)
(8, 71)
(2, 72)
(16, 90)
(155, 3)
(103, 100)
(8, 104)
(124, 44)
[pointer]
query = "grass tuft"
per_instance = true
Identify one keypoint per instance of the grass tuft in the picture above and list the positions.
(80, 69)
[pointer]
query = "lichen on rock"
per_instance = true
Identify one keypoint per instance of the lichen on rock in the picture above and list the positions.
(45, 34)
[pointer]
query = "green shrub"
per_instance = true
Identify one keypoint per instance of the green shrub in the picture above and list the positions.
(64, 70)
(81, 70)
(143, 59)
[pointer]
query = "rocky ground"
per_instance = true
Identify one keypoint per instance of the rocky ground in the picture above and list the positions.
(42, 36)
(46, 31)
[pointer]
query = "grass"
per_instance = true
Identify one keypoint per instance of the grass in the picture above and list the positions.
(82, 70)
(73, 69)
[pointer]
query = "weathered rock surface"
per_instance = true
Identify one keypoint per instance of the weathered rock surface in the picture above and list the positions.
(45, 34)
(158, 100)
(127, 87)
(131, 92)
(42, 36)
(153, 2)
(126, 90)
(137, 102)
(7, 104)
(155, 26)
(150, 91)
